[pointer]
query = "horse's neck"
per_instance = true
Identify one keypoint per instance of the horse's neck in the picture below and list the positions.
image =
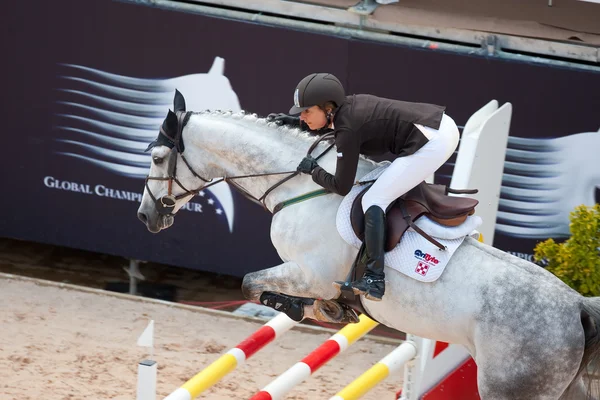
(228, 146)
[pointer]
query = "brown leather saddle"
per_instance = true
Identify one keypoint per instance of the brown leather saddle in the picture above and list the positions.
(427, 199)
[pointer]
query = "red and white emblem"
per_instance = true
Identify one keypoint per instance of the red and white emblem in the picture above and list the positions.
(422, 268)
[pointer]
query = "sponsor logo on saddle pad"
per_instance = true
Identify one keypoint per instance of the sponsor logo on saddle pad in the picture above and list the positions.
(426, 257)
(422, 268)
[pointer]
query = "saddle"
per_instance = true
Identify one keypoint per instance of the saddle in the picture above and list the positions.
(427, 199)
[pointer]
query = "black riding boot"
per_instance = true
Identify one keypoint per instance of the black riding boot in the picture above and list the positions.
(372, 284)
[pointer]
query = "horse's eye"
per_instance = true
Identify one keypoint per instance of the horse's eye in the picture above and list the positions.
(157, 160)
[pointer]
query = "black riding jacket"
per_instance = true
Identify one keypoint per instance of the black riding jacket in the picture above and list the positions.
(370, 125)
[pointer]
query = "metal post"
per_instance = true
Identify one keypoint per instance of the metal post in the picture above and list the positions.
(364, 7)
(491, 44)
(134, 275)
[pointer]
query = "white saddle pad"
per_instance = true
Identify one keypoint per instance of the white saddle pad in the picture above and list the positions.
(414, 256)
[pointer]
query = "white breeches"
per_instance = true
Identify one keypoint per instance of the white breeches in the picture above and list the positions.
(407, 172)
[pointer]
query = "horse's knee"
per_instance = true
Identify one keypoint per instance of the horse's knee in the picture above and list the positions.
(250, 289)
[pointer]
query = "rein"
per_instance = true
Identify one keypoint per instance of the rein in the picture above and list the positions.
(262, 199)
(166, 204)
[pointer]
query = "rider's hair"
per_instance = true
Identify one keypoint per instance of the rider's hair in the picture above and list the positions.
(329, 114)
(330, 104)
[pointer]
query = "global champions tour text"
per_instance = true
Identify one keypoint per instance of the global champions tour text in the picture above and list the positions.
(103, 191)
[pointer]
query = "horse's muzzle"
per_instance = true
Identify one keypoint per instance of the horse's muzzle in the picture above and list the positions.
(143, 217)
(165, 205)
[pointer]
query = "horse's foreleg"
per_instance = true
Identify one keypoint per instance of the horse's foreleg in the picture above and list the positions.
(284, 288)
(287, 288)
(287, 278)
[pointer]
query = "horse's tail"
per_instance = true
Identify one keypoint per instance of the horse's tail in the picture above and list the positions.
(590, 363)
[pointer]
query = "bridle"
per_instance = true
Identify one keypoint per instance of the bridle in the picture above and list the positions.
(165, 205)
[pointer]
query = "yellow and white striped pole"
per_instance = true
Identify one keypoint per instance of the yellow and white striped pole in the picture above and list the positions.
(390, 364)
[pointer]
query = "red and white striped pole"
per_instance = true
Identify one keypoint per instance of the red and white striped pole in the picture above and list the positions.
(234, 357)
(305, 368)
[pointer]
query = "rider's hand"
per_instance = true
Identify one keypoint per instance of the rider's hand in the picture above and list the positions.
(283, 119)
(307, 165)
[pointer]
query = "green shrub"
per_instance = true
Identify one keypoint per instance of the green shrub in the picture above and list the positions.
(577, 260)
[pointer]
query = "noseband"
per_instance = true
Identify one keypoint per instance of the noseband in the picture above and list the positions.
(165, 205)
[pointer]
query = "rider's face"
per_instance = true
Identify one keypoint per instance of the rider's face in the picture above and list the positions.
(314, 117)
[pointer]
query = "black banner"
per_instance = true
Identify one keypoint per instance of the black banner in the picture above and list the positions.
(73, 170)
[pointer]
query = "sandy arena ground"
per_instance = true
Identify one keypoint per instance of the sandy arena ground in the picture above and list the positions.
(60, 343)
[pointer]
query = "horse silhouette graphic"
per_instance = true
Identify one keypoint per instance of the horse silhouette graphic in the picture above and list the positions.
(107, 120)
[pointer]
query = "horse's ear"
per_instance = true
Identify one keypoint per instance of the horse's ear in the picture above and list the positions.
(178, 101)
(170, 124)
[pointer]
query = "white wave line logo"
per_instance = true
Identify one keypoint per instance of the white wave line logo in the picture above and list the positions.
(544, 180)
(109, 119)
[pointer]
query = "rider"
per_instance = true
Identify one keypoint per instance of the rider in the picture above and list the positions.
(420, 135)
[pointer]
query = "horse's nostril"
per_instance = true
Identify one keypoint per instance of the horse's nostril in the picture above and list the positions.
(142, 217)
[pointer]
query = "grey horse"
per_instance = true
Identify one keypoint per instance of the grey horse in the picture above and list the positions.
(531, 336)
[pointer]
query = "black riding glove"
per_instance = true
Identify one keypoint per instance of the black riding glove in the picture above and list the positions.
(283, 119)
(307, 165)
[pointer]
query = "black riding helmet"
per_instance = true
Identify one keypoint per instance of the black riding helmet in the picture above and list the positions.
(315, 90)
